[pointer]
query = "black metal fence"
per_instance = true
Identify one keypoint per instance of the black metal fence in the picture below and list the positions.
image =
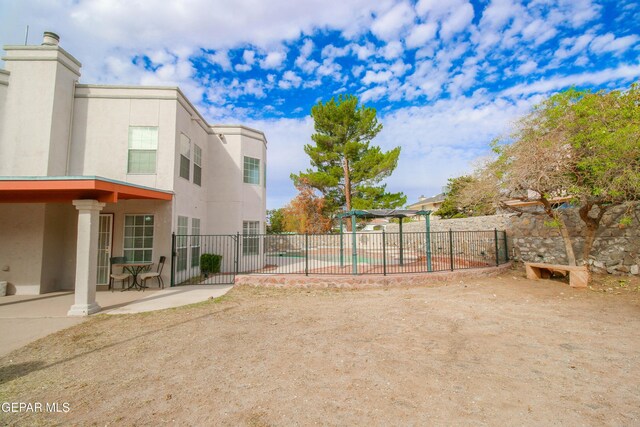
(348, 253)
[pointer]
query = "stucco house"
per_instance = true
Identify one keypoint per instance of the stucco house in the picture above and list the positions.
(93, 171)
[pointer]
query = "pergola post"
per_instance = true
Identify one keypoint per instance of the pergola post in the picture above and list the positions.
(86, 258)
(401, 249)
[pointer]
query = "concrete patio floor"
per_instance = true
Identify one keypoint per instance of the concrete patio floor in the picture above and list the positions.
(26, 318)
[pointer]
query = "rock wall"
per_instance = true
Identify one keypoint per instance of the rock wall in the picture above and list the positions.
(477, 223)
(615, 250)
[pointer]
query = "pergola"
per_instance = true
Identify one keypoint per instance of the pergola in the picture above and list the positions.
(383, 213)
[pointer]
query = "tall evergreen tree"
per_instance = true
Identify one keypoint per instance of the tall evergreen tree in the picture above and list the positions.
(347, 169)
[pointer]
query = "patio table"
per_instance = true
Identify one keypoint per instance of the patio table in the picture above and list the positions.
(135, 268)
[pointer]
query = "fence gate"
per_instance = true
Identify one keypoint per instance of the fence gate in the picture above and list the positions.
(218, 266)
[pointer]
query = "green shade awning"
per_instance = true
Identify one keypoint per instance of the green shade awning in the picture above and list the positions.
(382, 213)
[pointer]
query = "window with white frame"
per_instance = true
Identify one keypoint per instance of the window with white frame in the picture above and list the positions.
(185, 156)
(143, 145)
(251, 170)
(250, 238)
(181, 243)
(138, 238)
(195, 242)
(197, 165)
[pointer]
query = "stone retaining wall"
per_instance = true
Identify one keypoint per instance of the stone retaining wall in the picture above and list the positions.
(615, 250)
(477, 223)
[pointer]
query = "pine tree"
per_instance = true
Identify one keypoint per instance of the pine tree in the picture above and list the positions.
(347, 169)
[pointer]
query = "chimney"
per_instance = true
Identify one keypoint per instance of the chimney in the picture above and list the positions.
(50, 39)
(421, 198)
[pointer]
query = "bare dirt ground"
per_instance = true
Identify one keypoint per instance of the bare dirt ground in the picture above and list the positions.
(491, 351)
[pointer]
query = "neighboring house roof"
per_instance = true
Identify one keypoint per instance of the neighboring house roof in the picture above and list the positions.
(438, 198)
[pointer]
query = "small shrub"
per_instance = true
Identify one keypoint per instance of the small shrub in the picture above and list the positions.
(210, 263)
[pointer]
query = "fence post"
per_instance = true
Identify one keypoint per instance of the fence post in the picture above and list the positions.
(384, 253)
(306, 254)
(341, 244)
(354, 250)
(451, 247)
(506, 246)
(495, 235)
(237, 260)
(173, 259)
(428, 240)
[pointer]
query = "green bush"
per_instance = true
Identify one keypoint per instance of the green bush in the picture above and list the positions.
(210, 263)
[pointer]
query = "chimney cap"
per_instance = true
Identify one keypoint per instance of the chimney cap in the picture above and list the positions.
(50, 38)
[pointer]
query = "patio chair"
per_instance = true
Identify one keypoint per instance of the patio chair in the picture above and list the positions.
(118, 277)
(157, 274)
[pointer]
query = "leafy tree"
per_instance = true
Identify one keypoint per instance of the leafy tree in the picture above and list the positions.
(347, 170)
(306, 213)
(579, 145)
(452, 206)
(275, 218)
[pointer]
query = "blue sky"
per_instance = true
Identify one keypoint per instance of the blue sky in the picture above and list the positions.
(445, 76)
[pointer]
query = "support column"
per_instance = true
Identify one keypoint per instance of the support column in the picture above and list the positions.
(86, 257)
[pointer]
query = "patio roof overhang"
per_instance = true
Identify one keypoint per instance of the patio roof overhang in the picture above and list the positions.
(60, 189)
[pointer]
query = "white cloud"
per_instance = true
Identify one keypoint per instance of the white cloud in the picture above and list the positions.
(549, 85)
(527, 68)
(459, 19)
(331, 51)
(273, 60)
(392, 50)
(242, 67)
(363, 52)
(221, 58)
(290, 80)
(420, 34)
(249, 56)
(610, 43)
(390, 24)
(373, 77)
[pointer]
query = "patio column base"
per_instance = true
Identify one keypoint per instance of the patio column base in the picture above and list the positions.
(83, 309)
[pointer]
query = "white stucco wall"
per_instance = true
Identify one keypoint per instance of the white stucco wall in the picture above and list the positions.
(21, 246)
(100, 140)
(35, 133)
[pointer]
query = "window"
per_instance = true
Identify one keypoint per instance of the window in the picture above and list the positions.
(250, 238)
(195, 242)
(143, 144)
(251, 170)
(197, 165)
(185, 156)
(181, 243)
(138, 238)
(264, 175)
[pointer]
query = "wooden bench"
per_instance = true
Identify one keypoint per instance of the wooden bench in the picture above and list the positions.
(578, 275)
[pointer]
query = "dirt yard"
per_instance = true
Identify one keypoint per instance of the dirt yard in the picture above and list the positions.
(491, 351)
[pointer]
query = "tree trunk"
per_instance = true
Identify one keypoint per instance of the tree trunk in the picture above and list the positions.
(592, 226)
(571, 257)
(568, 247)
(347, 188)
